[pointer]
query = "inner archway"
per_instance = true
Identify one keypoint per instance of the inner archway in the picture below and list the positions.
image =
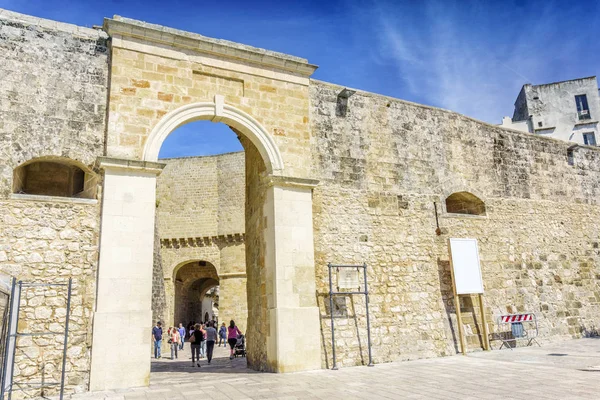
(192, 282)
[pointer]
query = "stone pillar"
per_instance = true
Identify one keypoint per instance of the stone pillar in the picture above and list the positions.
(124, 275)
(294, 341)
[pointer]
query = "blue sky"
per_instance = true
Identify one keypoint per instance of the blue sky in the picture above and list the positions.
(467, 56)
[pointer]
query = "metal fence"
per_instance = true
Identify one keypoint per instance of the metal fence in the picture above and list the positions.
(10, 338)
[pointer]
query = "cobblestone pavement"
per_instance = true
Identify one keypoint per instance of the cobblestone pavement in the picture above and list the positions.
(569, 370)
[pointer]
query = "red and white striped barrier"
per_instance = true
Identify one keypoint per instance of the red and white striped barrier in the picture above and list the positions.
(516, 318)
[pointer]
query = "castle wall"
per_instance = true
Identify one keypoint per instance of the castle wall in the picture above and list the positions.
(52, 106)
(384, 166)
(383, 163)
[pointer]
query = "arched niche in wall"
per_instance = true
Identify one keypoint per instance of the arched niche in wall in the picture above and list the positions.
(54, 176)
(464, 203)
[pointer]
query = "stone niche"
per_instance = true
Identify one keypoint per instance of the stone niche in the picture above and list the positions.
(465, 203)
(54, 178)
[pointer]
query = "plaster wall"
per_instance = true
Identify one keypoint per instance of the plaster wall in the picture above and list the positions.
(554, 112)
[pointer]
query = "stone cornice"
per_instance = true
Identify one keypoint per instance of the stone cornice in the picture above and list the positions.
(126, 27)
(203, 241)
(109, 163)
(288, 181)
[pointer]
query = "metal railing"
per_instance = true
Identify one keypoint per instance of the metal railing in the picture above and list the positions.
(10, 346)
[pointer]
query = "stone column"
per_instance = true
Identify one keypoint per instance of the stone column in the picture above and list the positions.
(122, 360)
(294, 341)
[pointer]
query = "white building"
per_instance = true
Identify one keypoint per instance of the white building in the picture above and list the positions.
(567, 110)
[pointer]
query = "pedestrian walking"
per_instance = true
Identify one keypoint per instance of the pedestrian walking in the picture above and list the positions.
(232, 334)
(196, 338)
(223, 335)
(211, 338)
(174, 341)
(157, 337)
(181, 335)
(203, 344)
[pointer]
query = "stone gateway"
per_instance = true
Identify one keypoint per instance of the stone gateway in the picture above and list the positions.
(328, 174)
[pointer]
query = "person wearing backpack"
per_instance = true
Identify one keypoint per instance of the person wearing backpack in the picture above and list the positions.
(196, 340)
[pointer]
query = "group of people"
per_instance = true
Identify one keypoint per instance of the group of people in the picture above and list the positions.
(202, 338)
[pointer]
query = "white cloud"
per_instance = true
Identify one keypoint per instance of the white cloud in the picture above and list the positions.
(470, 59)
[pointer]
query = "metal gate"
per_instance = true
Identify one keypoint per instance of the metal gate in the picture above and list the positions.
(10, 335)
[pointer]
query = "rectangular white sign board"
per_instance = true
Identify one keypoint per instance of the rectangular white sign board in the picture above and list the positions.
(347, 278)
(465, 263)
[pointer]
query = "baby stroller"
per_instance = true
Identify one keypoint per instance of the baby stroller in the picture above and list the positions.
(240, 346)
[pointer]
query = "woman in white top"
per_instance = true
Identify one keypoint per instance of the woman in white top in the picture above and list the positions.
(175, 340)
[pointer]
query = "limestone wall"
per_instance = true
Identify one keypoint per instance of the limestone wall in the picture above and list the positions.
(201, 196)
(46, 242)
(383, 163)
(259, 324)
(149, 79)
(53, 92)
(52, 106)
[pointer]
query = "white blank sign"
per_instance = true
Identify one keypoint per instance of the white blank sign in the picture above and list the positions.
(465, 262)
(347, 278)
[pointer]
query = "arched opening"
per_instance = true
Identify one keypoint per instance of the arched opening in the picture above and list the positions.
(210, 198)
(54, 177)
(193, 282)
(464, 203)
(275, 271)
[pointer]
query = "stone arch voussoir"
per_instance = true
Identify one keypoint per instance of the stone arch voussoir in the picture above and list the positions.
(216, 111)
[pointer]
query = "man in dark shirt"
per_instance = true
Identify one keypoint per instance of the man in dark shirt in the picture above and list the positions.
(157, 336)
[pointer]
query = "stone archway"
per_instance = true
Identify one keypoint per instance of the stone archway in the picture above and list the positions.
(158, 85)
(279, 254)
(192, 281)
(216, 112)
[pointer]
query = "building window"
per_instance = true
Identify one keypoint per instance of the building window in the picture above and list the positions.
(54, 177)
(583, 111)
(465, 203)
(589, 138)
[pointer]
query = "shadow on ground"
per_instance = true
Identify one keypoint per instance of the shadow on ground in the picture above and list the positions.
(221, 364)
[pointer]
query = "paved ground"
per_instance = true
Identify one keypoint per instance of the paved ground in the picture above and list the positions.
(569, 370)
